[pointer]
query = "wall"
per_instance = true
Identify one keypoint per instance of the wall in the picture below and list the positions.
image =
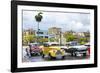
(5, 36)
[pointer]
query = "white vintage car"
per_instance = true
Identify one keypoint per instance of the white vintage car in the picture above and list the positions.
(79, 50)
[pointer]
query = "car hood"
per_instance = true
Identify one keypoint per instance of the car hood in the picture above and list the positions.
(55, 47)
(64, 47)
(80, 47)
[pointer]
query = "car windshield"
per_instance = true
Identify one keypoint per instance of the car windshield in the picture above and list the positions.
(45, 44)
(35, 44)
(54, 44)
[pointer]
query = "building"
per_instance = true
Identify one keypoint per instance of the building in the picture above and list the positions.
(29, 32)
(42, 34)
(78, 34)
(54, 30)
(57, 34)
(28, 36)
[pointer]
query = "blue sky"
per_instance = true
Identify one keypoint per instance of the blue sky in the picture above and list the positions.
(78, 22)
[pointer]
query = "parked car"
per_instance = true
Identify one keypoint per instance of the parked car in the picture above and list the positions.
(35, 49)
(52, 50)
(68, 48)
(78, 50)
(72, 43)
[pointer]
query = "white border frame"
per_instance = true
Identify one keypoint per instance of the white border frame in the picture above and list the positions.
(52, 63)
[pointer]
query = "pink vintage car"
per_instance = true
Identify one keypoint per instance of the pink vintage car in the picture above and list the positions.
(34, 49)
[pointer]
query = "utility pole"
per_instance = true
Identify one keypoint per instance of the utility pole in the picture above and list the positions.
(38, 33)
(60, 39)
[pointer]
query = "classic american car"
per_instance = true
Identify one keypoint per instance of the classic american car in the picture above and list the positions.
(52, 50)
(34, 49)
(78, 50)
(75, 49)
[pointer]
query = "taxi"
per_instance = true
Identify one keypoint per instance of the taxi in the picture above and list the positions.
(52, 50)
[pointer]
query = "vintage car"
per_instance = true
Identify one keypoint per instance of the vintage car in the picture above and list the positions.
(75, 49)
(34, 49)
(78, 50)
(52, 50)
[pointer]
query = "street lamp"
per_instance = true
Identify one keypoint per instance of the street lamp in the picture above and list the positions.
(60, 38)
(38, 18)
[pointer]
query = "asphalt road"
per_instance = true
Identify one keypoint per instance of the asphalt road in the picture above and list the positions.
(37, 58)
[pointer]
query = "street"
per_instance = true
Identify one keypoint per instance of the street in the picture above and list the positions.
(38, 58)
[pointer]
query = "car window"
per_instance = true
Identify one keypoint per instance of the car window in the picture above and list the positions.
(54, 44)
(46, 45)
(72, 48)
(35, 45)
(88, 46)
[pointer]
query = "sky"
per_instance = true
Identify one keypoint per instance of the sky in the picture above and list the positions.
(78, 22)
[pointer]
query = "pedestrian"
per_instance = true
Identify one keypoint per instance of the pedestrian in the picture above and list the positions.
(28, 52)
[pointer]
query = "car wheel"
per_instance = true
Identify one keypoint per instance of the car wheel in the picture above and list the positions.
(72, 54)
(84, 54)
(50, 57)
(75, 54)
(43, 55)
(63, 57)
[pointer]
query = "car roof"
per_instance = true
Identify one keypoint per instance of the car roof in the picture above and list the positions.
(79, 46)
(33, 43)
(50, 43)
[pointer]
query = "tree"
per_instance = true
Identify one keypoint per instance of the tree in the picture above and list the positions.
(82, 41)
(69, 37)
(38, 18)
(41, 40)
(52, 39)
(87, 36)
(28, 39)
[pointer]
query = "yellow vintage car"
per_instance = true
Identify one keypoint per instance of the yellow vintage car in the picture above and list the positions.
(52, 50)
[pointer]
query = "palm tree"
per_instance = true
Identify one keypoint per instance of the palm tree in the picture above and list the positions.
(38, 18)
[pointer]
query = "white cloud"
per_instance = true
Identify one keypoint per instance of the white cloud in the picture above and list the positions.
(78, 26)
(66, 21)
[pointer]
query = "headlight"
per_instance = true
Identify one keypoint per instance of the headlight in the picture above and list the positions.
(54, 51)
(62, 50)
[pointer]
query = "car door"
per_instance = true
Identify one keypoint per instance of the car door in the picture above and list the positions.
(46, 49)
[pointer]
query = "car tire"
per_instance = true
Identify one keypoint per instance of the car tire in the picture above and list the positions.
(43, 55)
(63, 57)
(50, 57)
(72, 54)
(75, 54)
(84, 54)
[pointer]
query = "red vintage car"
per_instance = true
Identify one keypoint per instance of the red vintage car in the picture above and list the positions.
(34, 49)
